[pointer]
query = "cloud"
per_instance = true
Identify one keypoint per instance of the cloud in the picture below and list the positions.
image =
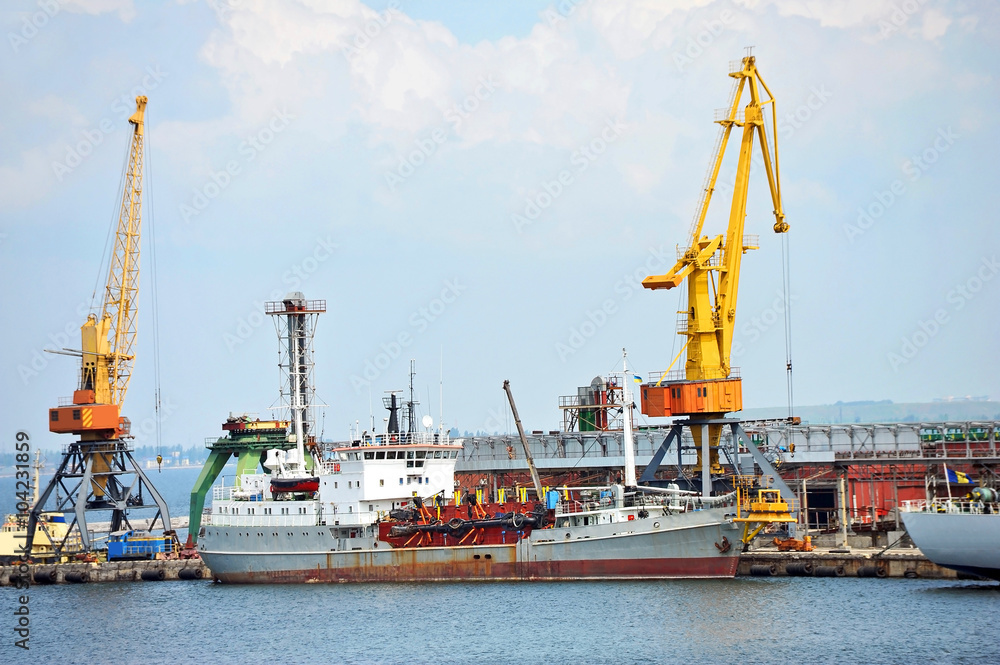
(125, 8)
(887, 16)
(935, 24)
(406, 74)
(830, 13)
(632, 28)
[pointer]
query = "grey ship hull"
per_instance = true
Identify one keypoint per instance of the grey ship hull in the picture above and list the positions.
(966, 542)
(698, 544)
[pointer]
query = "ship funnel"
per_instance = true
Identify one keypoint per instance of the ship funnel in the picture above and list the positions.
(393, 406)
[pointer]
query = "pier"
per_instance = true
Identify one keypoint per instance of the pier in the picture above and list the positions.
(110, 571)
(864, 562)
(833, 562)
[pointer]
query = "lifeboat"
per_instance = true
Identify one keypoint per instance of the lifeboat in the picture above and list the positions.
(306, 484)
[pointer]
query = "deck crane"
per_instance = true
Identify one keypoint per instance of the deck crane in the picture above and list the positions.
(98, 472)
(709, 387)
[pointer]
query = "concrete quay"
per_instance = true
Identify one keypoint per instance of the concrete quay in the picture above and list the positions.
(114, 571)
(836, 562)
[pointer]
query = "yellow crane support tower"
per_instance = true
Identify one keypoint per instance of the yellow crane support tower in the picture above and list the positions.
(708, 387)
(90, 474)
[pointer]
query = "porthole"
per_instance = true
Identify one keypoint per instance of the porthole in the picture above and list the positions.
(656, 525)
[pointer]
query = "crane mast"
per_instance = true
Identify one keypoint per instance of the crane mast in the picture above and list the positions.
(708, 387)
(90, 476)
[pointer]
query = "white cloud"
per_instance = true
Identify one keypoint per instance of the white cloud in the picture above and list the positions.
(125, 8)
(831, 13)
(935, 24)
(405, 75)
(632, 28)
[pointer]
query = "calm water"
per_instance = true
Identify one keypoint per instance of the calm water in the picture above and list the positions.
(747, 620)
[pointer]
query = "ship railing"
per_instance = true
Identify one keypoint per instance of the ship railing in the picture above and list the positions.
(396, 439)
(685, 500)
(223, 493)
(945, 505)
(680, 375)
(574, 506)
(675, 501)
(228, 520)
(330, 466)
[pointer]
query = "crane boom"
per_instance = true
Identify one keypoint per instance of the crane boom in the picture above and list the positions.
(120, 298)
(107, 343)
(524, 443)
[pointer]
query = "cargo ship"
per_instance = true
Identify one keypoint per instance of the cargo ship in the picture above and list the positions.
(961, 534)
(383, 507)
(369, 522)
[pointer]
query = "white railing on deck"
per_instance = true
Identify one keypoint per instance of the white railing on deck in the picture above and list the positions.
(225, 519)
(401, 438)
(232, 492)
(676, 501)
(945, 505)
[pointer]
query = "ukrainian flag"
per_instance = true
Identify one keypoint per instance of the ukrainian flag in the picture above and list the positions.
(637, 379)
(958, 477)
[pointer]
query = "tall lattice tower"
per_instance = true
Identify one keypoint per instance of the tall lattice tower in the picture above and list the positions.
(295, 320)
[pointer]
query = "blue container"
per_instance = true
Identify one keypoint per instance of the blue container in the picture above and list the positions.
(551, 499)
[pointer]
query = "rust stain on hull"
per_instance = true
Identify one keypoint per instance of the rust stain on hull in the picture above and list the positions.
(406, 568)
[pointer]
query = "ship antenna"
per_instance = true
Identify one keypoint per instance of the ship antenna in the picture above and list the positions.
(411, 424)
(441, 396)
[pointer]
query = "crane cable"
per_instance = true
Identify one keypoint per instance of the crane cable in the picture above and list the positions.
(102, 271)
(786, 280)
(154, 303)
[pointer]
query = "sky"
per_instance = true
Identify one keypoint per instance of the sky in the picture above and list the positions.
(481, 186)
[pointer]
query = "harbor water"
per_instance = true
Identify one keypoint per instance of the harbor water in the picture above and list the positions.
(745, 620)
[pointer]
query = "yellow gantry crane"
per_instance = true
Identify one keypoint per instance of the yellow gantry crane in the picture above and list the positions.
(90, 474)
(708, 385)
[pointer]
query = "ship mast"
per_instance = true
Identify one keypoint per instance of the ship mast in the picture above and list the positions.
(411, 424)
(38, 476)
(627, 441)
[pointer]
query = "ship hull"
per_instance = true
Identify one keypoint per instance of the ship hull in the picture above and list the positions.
(693, 545)
(969, 543)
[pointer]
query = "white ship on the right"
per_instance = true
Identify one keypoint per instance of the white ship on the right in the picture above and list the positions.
(958, 533)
